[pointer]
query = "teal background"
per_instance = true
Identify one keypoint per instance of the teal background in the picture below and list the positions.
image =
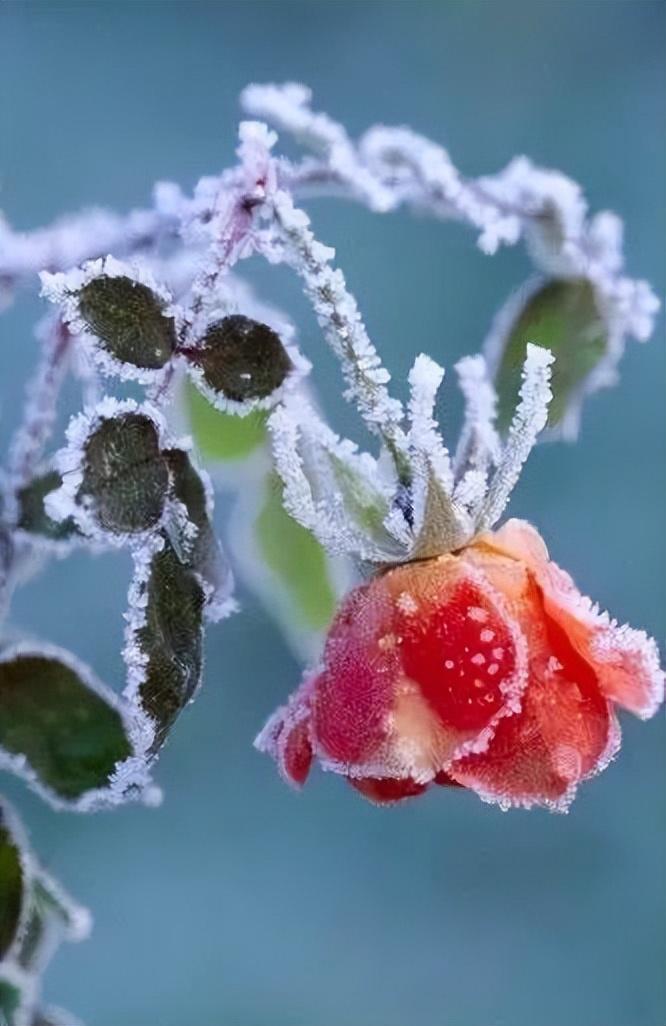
(238, 903)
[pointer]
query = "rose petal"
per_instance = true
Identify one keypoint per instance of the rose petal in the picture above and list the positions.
(353, 693)
(386, 790)
(448, 652)
(409, 680)
(286, 738)
(626, 661)
(566, 731)
(444, 780)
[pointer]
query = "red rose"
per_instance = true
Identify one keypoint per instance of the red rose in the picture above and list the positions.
(484, 668)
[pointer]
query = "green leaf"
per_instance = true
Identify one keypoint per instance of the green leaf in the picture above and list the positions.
(170, 640)
(68, 732)
(52, 917)
(562, 316)
(32, 514)
(366, 505)
(40, 915)
(223, 436)
(12, 1006)
(240, 358)
(204, 555)
(127, 317)
(124, 474)
(13, 885)
(296, 559)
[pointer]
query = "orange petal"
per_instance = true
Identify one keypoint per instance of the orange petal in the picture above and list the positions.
(566, 731)
(419, 666)
(286, 738)
(625, 660)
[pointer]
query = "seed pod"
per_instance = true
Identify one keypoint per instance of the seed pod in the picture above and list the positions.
(125, 475)
(242, 359)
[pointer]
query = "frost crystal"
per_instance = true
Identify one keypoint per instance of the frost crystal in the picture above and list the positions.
(529, 419)
(339, 316)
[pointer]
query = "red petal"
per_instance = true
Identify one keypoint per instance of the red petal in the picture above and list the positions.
(565, 732)
(297, 753)
(419, 666)
(353, 693)
(386, 790)
(461, 653)
(286, 737)
(626, 661)
(444, 780)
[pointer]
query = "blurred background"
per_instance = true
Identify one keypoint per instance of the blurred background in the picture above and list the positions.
(238, 903)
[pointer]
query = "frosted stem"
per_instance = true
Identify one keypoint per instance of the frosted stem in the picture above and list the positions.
(339, 316)
(42, 396)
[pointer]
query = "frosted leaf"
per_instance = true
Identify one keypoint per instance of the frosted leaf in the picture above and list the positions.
(14, 880)
(114, 478)
(36, 914)
(566, 317)
(18, 995)
(192, 488)
(529, 419)
(163, 640)
(239, 362)
(296, 579)
(125, 320)
(52, 918)
(125, 477)
(33, 518)
(64, 732)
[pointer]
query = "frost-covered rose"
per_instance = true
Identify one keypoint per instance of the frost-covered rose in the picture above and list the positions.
(484, 668)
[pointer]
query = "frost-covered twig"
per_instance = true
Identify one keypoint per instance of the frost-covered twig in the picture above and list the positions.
(41, 401)
(288, 108)
(339, 316)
